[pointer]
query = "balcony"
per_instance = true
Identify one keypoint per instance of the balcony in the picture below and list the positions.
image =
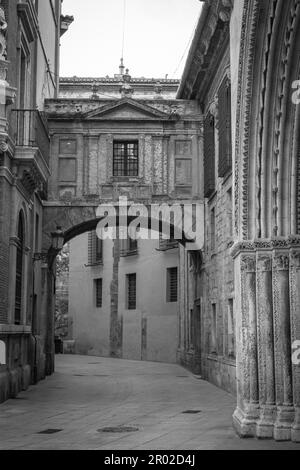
(166, 245)
(29, 133)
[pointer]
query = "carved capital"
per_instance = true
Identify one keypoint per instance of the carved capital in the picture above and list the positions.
(295, 259)
(281, 262)
(248, 264)
(264, 263)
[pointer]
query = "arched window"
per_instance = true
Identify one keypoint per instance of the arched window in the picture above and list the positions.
(19, 271)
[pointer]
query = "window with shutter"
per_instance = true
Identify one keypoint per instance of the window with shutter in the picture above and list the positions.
(172, 285)
(131, 291)
(95, 249)
(225, 147)
(98, 292)
(209, 155)
(19, 271)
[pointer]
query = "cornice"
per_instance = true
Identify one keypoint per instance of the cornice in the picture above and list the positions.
(209, 41)
(29, 20)
(251, 246)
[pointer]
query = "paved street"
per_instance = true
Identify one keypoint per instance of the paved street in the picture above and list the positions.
(89, 394)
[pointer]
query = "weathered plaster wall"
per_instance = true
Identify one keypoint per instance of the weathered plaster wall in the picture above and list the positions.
(147, 333)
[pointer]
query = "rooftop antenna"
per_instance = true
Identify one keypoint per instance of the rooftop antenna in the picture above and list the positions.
(122, 68)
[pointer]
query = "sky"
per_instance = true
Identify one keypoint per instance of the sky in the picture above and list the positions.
(158, 34)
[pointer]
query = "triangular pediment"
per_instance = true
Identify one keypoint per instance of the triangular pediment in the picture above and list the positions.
(126, 109)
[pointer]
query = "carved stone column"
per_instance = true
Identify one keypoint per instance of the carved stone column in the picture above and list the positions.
(295, 335)
(282, 345)
(247, 412)
(266, 374)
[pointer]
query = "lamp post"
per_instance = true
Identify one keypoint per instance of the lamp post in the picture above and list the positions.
(49, 257)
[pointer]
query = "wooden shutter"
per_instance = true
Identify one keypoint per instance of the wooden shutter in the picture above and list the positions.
(172, 285)
(95, 249)
(209, 155)
(98, 286)
(19, 272)
(225, 145)
(131, 291)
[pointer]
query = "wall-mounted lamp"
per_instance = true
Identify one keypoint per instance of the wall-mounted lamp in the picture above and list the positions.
(56, 246)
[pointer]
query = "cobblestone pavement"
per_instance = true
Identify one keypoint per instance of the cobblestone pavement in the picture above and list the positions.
(87, 394)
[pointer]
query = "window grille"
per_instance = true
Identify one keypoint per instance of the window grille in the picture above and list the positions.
(125, 159)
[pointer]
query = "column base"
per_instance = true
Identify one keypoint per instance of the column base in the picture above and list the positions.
(265, 425)
(244, 422)
(295, 432)
(284, 423)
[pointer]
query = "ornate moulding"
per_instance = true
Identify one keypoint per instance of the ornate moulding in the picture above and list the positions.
(288, 243)
(211, 37)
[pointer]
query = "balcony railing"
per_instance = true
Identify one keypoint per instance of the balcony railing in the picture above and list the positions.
(31, 130)
(165, 245)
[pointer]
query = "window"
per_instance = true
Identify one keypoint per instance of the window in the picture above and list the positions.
(165, 245)
(212, 229)
(209, 155)
(183, 171)
(19, 271)
(213, 329)
(131, 291)
(37, 231)
(95, 249)
(98, 292)
(129, 247)
(230, 330)
(67, 147)
(225, 145)
(229, 212)
(172, 285)
(126, 160)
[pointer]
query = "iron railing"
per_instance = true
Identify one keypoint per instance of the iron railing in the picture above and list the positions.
(31, 130)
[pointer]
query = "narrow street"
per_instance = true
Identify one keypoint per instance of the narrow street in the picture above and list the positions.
(146, 405)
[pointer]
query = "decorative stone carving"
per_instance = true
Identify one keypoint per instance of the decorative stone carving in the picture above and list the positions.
(3, 29)
(264, 263)
(3, 146)
(248, 264)
(95, 96)
(281, 262)
(214, 108)
(295, 259)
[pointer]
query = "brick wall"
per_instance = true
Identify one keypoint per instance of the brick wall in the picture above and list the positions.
(4, 248)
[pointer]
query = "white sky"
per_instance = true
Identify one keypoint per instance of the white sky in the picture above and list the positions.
(157, 33)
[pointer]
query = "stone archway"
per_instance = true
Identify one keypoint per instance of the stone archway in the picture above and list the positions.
(76, 220)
